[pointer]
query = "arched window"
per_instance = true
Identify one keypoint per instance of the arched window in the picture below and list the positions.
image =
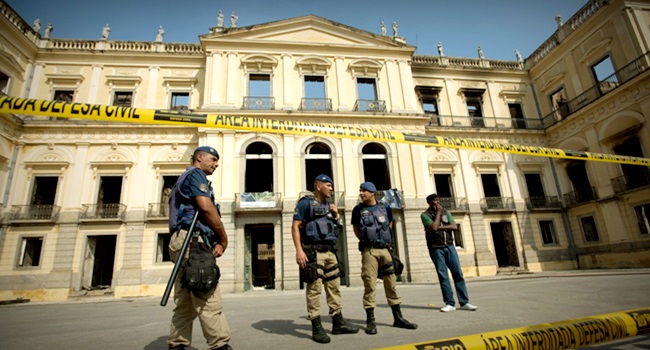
(259, 168)
(318, 160)
(375, 165)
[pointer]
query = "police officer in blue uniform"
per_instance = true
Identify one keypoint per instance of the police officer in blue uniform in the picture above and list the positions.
(372, 223)
(315, 233)
(194, 192)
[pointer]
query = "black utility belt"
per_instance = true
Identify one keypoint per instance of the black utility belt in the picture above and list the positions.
(376, 245)
(321, 248)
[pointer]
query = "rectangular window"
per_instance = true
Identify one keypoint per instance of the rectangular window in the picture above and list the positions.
(44, 190)
(259, 85)
(314, 86)
(429, 99)
(109, 196)
(122, 98)
(430, 105)
(444, 185)
(162, 244)
(560, 104)
(548, 232)
(643, 218)
(30, 251)
(517, 115)
(474, 102)
(604, 76)
(180, 101)
(589, 229)
(64, 96)
(4, 82)
(366, 89)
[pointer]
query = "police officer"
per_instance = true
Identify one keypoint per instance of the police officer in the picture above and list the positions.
(194, 192)
(315, 233)
(372, 223)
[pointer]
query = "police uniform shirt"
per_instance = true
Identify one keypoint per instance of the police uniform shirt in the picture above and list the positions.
(356, 213)
(197, 185)
(302, 212)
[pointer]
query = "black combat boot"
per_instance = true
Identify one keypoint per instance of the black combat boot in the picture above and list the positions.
(318, 333)
(339, 326)
(400, 321)
(371, 327)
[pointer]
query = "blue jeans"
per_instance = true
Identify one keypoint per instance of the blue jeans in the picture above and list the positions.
(447, 258)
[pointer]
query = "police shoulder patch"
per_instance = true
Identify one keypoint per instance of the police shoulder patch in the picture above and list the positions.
(203, 188)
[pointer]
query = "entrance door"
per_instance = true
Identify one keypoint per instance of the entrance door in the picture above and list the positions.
(99, 262)
(261, 252)
(504, 244)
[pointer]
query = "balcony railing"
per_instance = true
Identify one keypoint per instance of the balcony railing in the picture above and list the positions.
(370, 106)
(258, 201)
(454, 204)
(258, 103)
(497, 204)
(543, 203)
(103, 211)
(631, 181)
(457, 121)
(158, 210)
(45, 212)
(579, 196)
(316, 104)
(338, 198)
(620, 77)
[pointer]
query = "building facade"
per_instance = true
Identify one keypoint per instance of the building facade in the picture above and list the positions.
(84, 202)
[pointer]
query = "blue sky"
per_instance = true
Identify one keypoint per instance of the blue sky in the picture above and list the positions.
(498, 26)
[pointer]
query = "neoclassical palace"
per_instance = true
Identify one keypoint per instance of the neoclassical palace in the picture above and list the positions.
(83, 204)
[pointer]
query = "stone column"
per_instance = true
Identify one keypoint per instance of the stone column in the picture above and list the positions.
(152, 88)
(342, 80)
(36, 81)
(232, 79)
(394, 87)
(406, 76)
(287, 90)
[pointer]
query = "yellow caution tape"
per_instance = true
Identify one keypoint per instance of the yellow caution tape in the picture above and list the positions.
(571, 334)
(150, 116)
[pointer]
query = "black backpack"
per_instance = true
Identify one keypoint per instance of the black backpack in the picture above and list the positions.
(201, 271)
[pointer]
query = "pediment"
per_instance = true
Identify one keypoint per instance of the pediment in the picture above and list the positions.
(310, 30)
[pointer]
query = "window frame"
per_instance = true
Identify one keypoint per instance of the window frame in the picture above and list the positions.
(248, 83)
(304, 85)
(553, 232)
(176, 93)
(5, 89)
(595, 227)
(646, 220)
(161, 250)
(22, 245)
(114, 98)
(61, 90)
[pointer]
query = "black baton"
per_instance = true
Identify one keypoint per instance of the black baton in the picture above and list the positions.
(177, 265)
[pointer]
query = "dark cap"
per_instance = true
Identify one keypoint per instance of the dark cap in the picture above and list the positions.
(368, 186)
(207, 149)
(432, 197)
(324, 178)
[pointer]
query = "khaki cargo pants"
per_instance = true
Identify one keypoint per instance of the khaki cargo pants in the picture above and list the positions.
(332, 287)
(207, 306)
